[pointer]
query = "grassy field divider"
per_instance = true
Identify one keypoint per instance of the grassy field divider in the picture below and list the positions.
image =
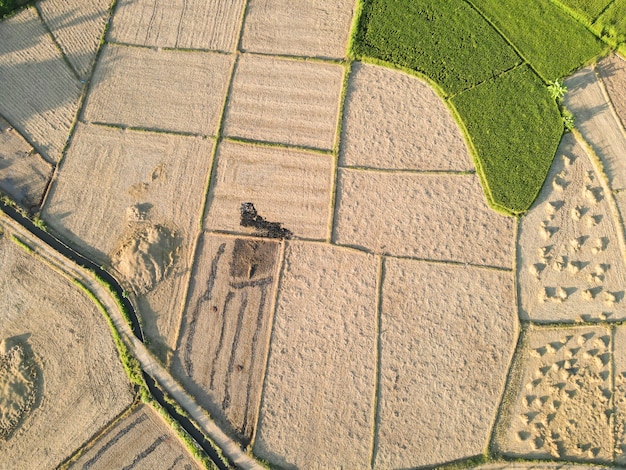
(19, 242)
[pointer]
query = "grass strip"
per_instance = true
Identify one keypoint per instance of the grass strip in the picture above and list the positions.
(447, 41)
(549, 39)
(586, 10)
(19, 242)
(611, 25)
(514, 127)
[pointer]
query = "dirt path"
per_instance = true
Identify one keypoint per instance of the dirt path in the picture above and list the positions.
(148, 363)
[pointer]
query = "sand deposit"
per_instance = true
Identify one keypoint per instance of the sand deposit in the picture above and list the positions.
(597, 123)
(23, 173)
(612, 69)
(285, 101)
(222, 350)
(439, 217)
(39, 93)
(158, 89)
(393, 120)
(292, 187)
(20, 385)
(150, 180)
(189, 24)
(140, 440)
(78, 26)
(317, 28)
(447, 337)
(83, 385)
(571, 265)
(318, 399)
(562, 402)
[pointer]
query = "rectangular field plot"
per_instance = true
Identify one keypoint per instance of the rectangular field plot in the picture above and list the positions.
(68, 382)
(78, 26)
(155, 185)
(161, 90)
(285, 101)
(24, 174)
(39, 93)
(439, 217)
(185, 24)
(140, 440)
(447, 41)
(538, 28)
(317, 28)
(222, 349)
(318, 398)
(291, 187)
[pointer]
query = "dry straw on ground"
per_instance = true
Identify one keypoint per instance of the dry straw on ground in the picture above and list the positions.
(39, 93)
(396, 121)
(612, 69)
(81, 382)
(141, 439)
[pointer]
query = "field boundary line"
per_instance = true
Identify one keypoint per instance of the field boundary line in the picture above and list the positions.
(268, 343)
(279, 145)
(380, 277)
(27, 140)
(522, 63)
(369, 169)
(609, 101)
(152, 130)
(186, 50)
(56, 43)
(295, 58)
(234, 233)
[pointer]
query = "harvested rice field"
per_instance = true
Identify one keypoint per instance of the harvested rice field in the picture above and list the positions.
(302, 28)
(61, 378)
(158, 89)
(141, 439)
(24, 175)
(39, 94)
(222, 349)
(146, 226)
(77, 26)
(308, 240)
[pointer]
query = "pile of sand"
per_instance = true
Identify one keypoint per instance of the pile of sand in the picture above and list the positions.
(18, 387)
(147, 257)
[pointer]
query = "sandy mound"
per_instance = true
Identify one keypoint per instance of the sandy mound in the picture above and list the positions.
(18, 387)
(147, 257)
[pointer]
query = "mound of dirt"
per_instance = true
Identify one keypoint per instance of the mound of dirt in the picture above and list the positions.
(18, 387)
(147, 257)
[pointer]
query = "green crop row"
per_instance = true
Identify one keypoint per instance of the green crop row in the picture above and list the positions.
(549, 39)
(514, 126)
(447, 41)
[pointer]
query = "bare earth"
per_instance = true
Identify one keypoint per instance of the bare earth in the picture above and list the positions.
(191, 24)
(396, 121)
(292, 187)
(318, 28)
(571, 264)
(285, 101)
(224, 338)
(39, 93)
(151, 180)
(437, 217)
(161, 90)
(318, 400)
(598, 123)
(24, 174)
(140, 440)
(562, 405)
(619, 365)
(77, 26)
(612, 69)
(447, 337)
(82, 385)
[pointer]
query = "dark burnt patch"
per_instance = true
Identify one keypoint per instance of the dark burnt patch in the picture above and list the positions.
(264, 228)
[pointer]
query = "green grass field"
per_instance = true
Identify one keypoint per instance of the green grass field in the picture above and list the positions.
(446, 41)
(8, 6)
(612, 23)
(552, 42)
(472, 49)
(589, 10)
(515, 128)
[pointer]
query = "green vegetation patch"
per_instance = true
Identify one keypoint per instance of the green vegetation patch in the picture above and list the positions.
(9, 6)
(611, 24)
(446, 40)
(552, 42)
(589, 10)
(515, 127)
